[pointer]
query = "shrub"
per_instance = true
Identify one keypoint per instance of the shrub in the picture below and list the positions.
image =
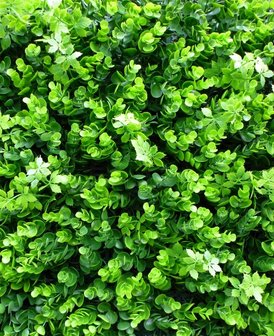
(136, 172)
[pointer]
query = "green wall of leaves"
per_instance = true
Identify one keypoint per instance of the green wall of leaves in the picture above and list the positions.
(136, 168)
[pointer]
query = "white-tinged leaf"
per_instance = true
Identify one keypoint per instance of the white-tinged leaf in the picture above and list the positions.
(76, 54)
(31, 172)
(194, 274)
(190, 253)
(34, 183)
(212, 271)
(207, 112)
(60, 179)
(39, 161)
(54, 3)
(257, 294)
(216, 268)
(260, 66)
(262, 80)
(142, 149)
(237, 60)
(207, 255)
(125, 119)
(268, 74)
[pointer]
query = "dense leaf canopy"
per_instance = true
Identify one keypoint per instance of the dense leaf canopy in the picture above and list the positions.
(136, 167)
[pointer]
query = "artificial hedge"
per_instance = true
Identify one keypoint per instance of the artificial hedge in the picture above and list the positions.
(136, 173)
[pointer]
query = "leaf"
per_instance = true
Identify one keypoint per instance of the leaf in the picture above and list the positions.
(60, 179)
(194, 274)
(142, 149)
(197, 72)
(55, 188)
(5, 42)
(155, 90)
(190, 253)
(260, 66)
(257, 294)
(54, 3)
(237, 60)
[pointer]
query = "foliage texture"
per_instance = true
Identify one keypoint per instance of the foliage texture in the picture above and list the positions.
(136, 167)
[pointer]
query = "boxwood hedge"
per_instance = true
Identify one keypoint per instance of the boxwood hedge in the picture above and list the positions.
(136, 167)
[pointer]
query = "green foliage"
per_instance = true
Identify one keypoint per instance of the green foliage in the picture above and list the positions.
(136, 167)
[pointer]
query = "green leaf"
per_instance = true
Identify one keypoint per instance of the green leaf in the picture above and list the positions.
(197, 72)
(156, 90)
(55, 188)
